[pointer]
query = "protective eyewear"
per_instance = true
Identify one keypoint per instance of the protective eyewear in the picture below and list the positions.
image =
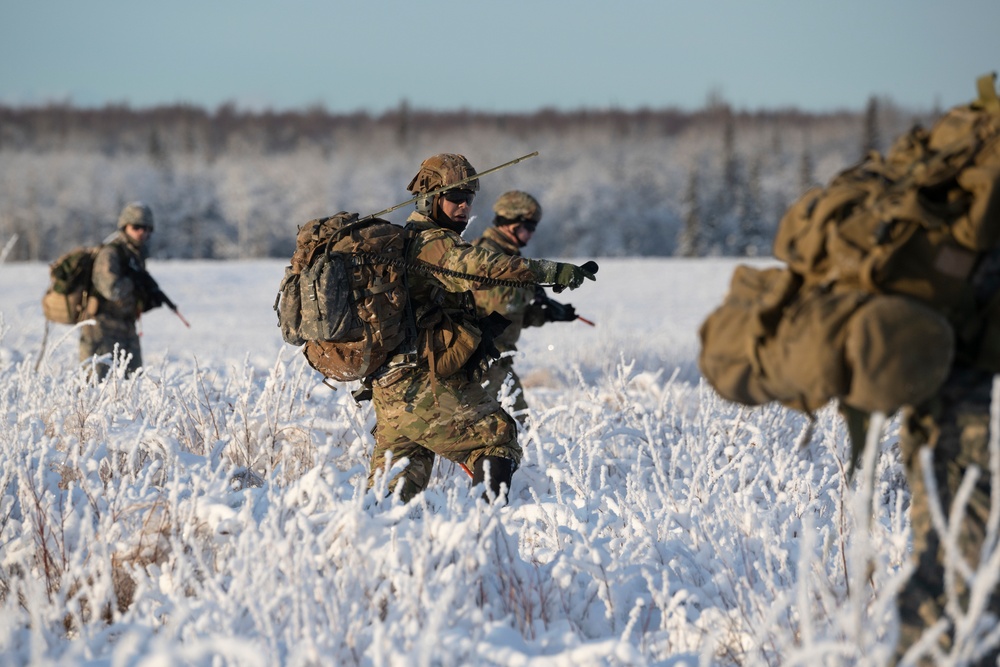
(530, 225)
(460, 196)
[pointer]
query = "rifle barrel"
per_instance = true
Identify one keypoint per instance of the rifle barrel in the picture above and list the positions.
(151, 286)
(173, 306)
(178, 314)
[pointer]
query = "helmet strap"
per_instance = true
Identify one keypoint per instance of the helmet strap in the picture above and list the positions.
(448, 223)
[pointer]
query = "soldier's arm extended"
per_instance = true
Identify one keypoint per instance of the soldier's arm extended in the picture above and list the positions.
(448, 251)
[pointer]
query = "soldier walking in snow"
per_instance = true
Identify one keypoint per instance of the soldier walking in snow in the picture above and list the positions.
(517, 214)
(122, 290)
(428, 398)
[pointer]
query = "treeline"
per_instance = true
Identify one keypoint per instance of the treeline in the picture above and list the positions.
(230, 183)
(186, 129)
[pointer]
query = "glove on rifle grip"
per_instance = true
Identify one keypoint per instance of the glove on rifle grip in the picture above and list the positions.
(560, 312)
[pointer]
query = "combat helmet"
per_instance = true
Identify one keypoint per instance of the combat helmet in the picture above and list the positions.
(137, 214)
(516, 206)
(439, 171)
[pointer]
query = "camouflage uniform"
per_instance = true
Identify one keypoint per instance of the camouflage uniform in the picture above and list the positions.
(420, 414)
(518, 305)
(955, 424)
(117, 299)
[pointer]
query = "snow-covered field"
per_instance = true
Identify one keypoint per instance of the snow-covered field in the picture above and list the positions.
(213, 510)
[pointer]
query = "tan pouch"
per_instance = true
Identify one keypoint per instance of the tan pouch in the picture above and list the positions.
(454, 345)
(66, 308)
(978, 229)
(805, 360)
(732, 333)
(898, 352)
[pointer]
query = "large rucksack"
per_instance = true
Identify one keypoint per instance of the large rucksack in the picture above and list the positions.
(877, 290)
(65, 300)
(343, 296)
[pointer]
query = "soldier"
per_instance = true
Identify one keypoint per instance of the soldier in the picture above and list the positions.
(122, 290)
(428, 398)
(517, 214)
(955, 425)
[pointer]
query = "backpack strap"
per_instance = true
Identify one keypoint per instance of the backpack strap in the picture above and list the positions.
(90, 291)
(410, 335)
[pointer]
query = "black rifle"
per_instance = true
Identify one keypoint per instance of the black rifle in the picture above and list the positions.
(558, 312)
(148, 286)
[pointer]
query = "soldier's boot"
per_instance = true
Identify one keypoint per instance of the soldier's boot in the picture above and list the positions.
(495, 471)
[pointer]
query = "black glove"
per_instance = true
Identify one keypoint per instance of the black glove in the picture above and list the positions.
(568, 275)
(151, 300)
(478, 364)
(148, 292)
(363, 393)
(490, 326)
(560, 312)
(157, 299)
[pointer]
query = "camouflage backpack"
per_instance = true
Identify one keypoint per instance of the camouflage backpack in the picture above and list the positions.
(65, 301)
(343, 297)
(876, 292)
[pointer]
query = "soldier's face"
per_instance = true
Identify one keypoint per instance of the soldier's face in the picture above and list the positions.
(138, 234)
(523, 233)
(457, 206)
(520, 233)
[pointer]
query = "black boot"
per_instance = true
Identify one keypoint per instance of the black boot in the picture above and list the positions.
(501, 471)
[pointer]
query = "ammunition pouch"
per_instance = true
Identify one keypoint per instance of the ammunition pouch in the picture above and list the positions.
(448, 344)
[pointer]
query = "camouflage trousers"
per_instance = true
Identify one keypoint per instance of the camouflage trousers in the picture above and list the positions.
(101, 338)
(453, 417)
(499, 372)
(955, 425)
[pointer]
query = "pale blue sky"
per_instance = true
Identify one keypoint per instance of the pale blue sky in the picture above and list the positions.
(504, 55)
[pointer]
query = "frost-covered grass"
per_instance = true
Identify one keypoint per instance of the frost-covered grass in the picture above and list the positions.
(213, 511)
